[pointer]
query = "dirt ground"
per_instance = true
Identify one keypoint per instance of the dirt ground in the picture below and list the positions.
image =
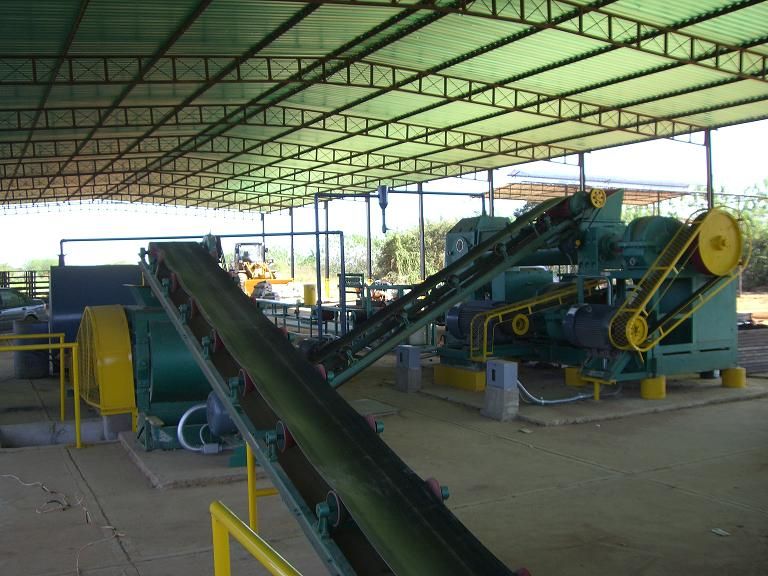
(756, 303)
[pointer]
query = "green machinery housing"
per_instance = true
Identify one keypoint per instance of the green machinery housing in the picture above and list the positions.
(617, 301)
(134, 361)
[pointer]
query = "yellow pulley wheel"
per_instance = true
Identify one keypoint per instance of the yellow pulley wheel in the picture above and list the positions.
(106, 368)
(720, 243)
(636, 331)
(520, 324)
(597, 197)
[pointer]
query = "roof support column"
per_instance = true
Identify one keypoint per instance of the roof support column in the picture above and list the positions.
(318, 277)
(263, 236)
(422, 255)
(327, 254)
(491, 211)
(368, 255)
(582, 173)
(293, 255)
(708, 155)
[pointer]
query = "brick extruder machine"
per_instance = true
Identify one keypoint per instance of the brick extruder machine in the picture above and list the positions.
(639, 301)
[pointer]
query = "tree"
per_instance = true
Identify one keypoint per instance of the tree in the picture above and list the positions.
(40, 264)
(398, 258)
(755, 275)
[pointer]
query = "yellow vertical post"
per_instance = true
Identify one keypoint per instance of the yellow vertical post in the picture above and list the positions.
(253, 512)
(76, 386)
(596, 393)
(221, 565)
(62, 382)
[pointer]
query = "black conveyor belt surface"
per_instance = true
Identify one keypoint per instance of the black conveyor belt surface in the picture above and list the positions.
(413, 532)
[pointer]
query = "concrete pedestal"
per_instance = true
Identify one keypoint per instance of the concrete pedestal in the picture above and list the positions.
(408, 368)
(502, 399)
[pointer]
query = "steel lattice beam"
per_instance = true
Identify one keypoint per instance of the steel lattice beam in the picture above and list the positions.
(600, 24)
(538, 105)
(55, 67)
(136, 192)
(255, 49)
(354, 176)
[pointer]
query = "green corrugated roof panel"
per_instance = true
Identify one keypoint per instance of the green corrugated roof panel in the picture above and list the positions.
(716, 97)
(451, 36)
(505, 123)
(110, 29)
(530, 53)
(682, 78)
(603, 68)
(734, 28)
(733, 115)
(662, 12)
(231, 27)
(325, 30)
(429, 68)
(35, 27)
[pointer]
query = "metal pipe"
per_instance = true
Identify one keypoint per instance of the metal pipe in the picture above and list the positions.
(708, 155)
(491, 208)
(327, 249)
(422, 248)
(369, 262)
(319, 303)
(293, 256)
(180, 428)
(342, 289)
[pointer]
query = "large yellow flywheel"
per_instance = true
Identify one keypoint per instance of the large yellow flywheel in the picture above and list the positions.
(106, 370)
(720, 243)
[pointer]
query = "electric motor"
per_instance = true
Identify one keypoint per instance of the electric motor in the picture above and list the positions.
(458, 320)
(586, 325)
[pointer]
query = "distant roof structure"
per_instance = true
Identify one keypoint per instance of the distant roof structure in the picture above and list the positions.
(256, 105)
(538, 186)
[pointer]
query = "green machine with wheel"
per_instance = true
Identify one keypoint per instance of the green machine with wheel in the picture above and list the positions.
(133, 360)
(637, 301)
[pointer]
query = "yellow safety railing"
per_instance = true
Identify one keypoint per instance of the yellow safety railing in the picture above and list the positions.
(224, 524)
(61, 345)
(254, 493)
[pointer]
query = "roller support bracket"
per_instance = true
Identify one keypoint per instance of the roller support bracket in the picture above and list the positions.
(184, 313)
(270, 439)
(205, 345)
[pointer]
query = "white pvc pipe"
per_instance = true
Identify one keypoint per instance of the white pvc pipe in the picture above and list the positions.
(180, 428)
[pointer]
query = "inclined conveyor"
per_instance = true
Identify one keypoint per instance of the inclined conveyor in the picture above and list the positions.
(390, 520)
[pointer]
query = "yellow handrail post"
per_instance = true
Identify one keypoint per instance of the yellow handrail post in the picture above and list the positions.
(76, 386)
(253, 512)
(221, 562)
(62, 383)
(224, 523)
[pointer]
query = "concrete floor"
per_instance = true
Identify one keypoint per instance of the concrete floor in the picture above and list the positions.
(639, 495)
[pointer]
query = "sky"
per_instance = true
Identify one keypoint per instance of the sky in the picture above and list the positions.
(739, 161)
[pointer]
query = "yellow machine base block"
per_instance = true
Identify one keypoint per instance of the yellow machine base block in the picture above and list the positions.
(734, 378)
(472, 380)
(653, 388)
(573, 377)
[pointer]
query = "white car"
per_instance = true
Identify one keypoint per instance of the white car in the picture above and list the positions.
(15, 305)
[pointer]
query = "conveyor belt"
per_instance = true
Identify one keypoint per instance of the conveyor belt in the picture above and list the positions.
(410, 531)
(544, 226)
